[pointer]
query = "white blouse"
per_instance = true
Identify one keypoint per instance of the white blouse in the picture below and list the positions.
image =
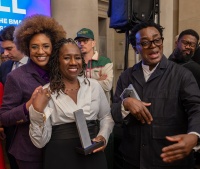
(91, 98)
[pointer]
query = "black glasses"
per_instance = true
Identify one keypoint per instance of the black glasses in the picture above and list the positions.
(147, 43)
(187, 43)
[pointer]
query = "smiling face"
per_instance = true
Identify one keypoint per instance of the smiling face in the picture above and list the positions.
(40, 49)
(153, 54)
(70, 61)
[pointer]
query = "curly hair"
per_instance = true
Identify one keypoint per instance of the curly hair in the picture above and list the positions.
(36, 24)
(143, 25)
(7, 33)
(56, 82)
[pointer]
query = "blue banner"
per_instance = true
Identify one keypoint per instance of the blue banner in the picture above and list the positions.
(12, 12)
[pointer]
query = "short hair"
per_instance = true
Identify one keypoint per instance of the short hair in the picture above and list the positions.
(56, 83)
(7, 33)
(189, 32)
(36, 24)
(142, 25)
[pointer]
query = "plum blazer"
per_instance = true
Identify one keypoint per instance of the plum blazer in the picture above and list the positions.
(19, 87)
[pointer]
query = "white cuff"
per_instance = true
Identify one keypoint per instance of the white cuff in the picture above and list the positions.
(124, 112)
(197, 147)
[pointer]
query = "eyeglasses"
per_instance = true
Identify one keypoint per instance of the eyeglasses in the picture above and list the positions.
(85, 41)
(147, 43)
(36, 48)
(187, 43)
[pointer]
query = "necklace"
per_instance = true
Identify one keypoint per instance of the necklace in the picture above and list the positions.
(67, 91)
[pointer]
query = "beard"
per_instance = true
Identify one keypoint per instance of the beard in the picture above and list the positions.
(182, 56)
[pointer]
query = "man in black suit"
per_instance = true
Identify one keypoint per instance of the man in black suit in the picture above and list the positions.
(16, 59)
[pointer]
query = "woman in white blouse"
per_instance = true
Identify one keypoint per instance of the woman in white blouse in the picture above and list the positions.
(51, 114)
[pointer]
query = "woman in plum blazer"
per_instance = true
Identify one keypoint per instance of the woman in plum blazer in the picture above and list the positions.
(34, 37)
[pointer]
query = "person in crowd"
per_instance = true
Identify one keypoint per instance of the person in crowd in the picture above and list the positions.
(161, 117)
(16, 59)
(51, 114)
(34, 37)
(98, 67)
(185, 48)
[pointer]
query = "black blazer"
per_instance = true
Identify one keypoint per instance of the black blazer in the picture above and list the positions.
(175, 107)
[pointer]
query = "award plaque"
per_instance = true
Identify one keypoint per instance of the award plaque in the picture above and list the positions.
(87, 144)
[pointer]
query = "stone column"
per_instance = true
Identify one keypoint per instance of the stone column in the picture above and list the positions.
(76, 14)
(169, 20)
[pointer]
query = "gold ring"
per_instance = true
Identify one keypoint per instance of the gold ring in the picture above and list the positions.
(48, 95)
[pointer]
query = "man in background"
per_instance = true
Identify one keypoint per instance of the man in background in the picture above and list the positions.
(10, 50)
(98, 67)
(186, 46)
(16, 59)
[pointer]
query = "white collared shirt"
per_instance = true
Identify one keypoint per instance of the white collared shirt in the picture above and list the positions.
(23, 61)
(147, 72)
